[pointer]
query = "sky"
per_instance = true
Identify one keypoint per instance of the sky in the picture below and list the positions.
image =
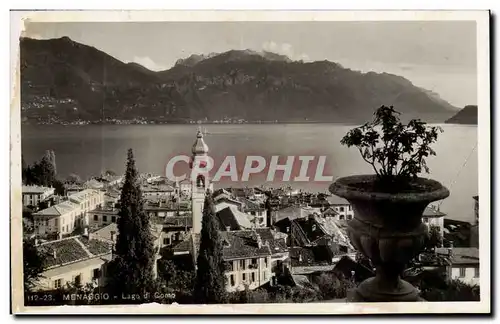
(438, 55)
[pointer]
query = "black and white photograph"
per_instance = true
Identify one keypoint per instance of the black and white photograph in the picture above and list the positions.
(328, 161)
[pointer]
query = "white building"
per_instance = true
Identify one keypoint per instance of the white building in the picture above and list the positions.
(73, 260)
(65, 217)
(33, 195)
(464, 264)
(433, 217)
(342, 207)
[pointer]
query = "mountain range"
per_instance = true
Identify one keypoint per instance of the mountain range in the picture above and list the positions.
(63, 81)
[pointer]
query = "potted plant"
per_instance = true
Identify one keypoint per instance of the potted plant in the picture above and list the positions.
(388, 205)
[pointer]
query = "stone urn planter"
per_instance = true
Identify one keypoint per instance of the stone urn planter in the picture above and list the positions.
(388, 229)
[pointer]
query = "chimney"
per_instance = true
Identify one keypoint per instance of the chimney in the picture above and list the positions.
(450, 249)
(259, 241)
(86, 232)
(228, 228)
(353, 273)
(300, 257)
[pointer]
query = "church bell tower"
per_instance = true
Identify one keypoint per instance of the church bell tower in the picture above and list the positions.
(200, 180)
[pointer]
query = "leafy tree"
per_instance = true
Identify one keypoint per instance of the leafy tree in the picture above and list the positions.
(455, 291)
(132, 270)
(74, 178)
(32, 264)
(210, 286)
(434, 237)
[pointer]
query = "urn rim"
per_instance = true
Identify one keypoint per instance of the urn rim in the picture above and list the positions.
(345, 187)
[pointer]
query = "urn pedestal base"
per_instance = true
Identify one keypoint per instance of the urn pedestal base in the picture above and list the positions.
(370, 291)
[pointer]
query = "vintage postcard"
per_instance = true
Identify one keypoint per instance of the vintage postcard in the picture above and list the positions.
(250, 162)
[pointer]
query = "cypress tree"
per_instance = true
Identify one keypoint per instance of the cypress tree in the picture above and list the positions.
(132, 270)
(210, 286)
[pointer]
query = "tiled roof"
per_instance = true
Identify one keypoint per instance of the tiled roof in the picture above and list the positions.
(336, 200)
(96, 247)
(293, 212)
(232, 217)
(70, 250)
(276, 240)
(105, 232)
(242, 244)
(57, 210)
(35, 189)
(82, 195)
(250, 205)
(467, 255)
(157, 188)
(330, 226)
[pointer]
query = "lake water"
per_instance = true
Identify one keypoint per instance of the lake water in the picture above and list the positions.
(89, 150)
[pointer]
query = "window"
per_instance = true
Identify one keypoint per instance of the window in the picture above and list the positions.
(96, 218)
(113, 219)
(264, 275)
(476, 272)
(252, 213)
(341, 209)
(462, 273)
(96, 273)
(349, 217)
(350, 207)
(46, 222)
(425, 220)
(57, 283)
(253, 276)
(242, 264)
(265, 262)
(244, 276)
(104, 218)
(232, 280)
(78, 280)
(341, 217)
(166, 240)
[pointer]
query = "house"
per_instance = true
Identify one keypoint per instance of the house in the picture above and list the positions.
(102, 216)
(231, 219)
(63, 218)
(433, 217)
(73, 260)
(256, 210)
(248, 260)
(464, 263)
(341, 206)
(251, 256)
(224, 202)
(157, 191)
(175, 229)
(33, 195)
(293, 212)
(159, 209)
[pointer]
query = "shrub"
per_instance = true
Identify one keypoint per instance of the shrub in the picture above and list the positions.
(396, 151)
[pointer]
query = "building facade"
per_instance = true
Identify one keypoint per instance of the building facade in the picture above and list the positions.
(33, 195)
(63, 218)
(75, 260)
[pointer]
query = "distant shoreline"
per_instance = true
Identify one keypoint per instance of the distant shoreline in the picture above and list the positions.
(226, 124)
